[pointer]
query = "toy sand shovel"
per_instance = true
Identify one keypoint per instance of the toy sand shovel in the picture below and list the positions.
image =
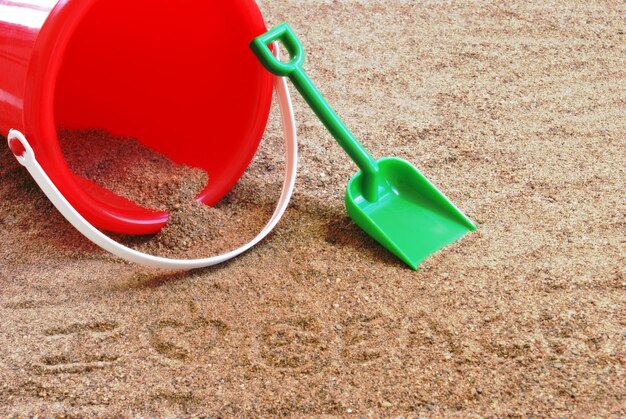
(389, 198)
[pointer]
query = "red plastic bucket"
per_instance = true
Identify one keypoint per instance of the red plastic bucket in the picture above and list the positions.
(178, 76)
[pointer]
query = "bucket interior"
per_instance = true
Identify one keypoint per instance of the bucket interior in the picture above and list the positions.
(178, 76)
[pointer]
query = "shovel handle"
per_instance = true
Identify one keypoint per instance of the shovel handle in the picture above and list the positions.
(293, 69)
(285, 35)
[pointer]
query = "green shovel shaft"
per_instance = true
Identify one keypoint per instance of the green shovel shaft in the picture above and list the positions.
(332, 122)
(295, 72)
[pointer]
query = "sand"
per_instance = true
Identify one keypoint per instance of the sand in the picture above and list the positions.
(517, 112)
(151, 180)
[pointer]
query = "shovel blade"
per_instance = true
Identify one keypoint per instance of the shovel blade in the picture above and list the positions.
(411, 218)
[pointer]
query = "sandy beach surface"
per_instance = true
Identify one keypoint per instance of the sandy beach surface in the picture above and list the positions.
(515, 110)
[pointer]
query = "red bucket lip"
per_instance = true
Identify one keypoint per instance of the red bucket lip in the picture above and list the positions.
(39, 122)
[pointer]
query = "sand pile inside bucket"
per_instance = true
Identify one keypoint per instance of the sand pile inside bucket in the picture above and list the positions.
(133, 171)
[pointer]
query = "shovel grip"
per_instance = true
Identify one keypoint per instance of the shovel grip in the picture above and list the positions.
(288, 38)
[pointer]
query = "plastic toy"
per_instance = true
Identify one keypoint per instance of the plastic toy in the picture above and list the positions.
(389, 198)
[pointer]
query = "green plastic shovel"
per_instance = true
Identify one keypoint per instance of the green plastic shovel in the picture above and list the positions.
(389, 198)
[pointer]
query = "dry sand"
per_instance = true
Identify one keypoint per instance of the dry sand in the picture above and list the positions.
(517, 112)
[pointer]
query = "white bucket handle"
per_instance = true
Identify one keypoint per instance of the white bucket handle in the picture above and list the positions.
(29, 160)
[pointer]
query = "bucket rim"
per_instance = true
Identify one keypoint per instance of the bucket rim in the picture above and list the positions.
(39, 123)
